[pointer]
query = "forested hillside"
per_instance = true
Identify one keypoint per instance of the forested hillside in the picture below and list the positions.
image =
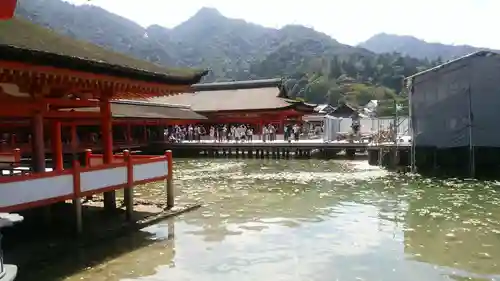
(409, 45)
(316, 67)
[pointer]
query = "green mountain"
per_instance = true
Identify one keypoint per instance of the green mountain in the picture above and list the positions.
(411, 46)
(318, 68)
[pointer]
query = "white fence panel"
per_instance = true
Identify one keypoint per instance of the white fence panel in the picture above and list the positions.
(368, 125)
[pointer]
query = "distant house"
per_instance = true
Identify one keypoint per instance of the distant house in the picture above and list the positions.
(370, 109)
(344, 110)
(372, 105)
(324, 109)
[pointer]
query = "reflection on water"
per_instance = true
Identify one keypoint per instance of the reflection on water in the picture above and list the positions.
(313, 220)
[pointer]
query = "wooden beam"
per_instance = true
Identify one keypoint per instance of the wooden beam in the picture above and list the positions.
(17, 111)
(71, 114)
(68, 103)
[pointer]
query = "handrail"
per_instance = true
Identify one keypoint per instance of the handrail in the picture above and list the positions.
(16, 193)
(118, 156)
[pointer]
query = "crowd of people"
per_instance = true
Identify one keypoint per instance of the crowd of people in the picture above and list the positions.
(230, 132)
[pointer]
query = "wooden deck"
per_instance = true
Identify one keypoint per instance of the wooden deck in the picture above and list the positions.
(67, 148)
(260, 149)
(302, 144)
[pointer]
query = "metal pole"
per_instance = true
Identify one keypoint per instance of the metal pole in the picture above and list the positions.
(411, 127)
(472, 164)
(394, 148)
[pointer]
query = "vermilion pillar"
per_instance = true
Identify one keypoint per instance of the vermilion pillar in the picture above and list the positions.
(106, 130)
(129, 133)
(57, 147)
(38, 143)
(7, 8)
(13, 140)
(74, 139)
(107, 147)
(281, 128)
(145, 134)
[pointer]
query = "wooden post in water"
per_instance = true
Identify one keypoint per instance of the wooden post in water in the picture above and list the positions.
(88, 155)
(77, 200)
(170, 184)
(128, 192)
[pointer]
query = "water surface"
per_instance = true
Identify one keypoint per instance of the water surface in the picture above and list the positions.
(307, 220)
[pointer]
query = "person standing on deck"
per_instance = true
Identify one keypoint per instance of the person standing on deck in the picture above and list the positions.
(190, 133)
(184, 133)
(264, 133)
(230, 133)
(166, 133)
(195, 133)
(241, 137)
(212, 133)
(356, 125)
(201, 132)
(224, 133)
(296, 132)
(235, 133)
(272, 132)
(250, 134)
(218, 131)
(243, 132)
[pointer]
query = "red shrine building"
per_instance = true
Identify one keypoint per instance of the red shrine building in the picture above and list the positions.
(53, 87)
(257, 103)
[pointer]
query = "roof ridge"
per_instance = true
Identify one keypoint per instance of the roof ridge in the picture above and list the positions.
(236, 85)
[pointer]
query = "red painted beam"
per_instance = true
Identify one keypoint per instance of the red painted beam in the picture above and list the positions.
(70, 77)
(71, 115)
(67, 103)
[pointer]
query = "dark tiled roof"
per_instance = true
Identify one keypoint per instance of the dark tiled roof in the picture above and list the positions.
(233, 96)
(148, 110)
(22, 41)
(238, 85)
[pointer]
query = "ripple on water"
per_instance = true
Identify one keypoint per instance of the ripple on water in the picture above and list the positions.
(316, 220)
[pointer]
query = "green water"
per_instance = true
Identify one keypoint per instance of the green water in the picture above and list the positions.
(305, 220)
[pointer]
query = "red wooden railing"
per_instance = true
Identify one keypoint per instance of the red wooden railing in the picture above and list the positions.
(39, 189)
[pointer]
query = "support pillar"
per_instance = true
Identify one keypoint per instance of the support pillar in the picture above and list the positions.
(145, 134)
(38, 156)
(74, 139)
(107, 147)
(77, 200)
(57, 147)
(74, 143)
(38, 143)
(170, 183)
(129, 133)
(88, 155)
(128, 192)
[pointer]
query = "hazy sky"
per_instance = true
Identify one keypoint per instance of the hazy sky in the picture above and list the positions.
(349, 21)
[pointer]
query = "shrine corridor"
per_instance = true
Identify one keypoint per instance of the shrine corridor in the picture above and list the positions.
(302, 220)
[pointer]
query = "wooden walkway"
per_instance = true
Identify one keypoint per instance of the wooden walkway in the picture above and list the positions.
(260, 149)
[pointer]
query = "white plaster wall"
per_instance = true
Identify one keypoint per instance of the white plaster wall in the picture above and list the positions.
(102, 178)
(35, 190)
(150, 170)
